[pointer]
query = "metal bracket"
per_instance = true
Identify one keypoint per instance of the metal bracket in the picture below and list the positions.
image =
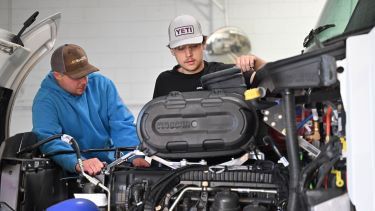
(176, 164)
(122, 159)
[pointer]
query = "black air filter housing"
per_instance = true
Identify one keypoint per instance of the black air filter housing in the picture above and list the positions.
(196, 125)
(229, 80)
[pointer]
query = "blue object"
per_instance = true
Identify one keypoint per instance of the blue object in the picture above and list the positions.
(74, 205)
(303, 122)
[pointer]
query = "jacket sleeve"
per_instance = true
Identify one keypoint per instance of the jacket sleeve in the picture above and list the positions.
(46, 124)
(121, 121)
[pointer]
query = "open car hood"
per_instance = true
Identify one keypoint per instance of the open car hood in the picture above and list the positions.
(16, 62)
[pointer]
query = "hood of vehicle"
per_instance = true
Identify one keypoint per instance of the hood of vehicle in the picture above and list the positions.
(17, 61)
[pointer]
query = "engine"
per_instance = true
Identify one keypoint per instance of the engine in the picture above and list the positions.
(222, 150)
(200, 187)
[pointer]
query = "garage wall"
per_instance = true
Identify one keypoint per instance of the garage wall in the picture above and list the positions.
(126, 39)
(5, 12)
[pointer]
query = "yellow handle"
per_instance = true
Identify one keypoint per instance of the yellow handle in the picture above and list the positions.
(251, 94)
(339, 180)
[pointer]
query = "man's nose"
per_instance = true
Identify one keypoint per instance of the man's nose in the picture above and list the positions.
(83, 80)
(188, 51)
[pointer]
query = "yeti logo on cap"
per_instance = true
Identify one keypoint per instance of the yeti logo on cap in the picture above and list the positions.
(184, 30)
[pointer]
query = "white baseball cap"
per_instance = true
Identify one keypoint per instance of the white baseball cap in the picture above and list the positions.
(183, 30)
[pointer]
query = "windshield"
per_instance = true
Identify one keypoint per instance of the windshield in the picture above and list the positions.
(363, 17)
(335, 12)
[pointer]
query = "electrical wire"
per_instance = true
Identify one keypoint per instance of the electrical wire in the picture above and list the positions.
(303, 122)
(39, 143)
(328, 123)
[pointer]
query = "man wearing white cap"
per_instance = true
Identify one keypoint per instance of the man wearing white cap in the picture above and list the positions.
(186, 43)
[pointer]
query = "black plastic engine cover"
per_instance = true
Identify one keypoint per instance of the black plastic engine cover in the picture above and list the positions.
(196, 125)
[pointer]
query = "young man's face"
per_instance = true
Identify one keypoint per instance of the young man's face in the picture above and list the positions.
(189, 57)
(73, 86)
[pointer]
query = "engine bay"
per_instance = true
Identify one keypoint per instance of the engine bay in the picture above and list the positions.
(218, 149)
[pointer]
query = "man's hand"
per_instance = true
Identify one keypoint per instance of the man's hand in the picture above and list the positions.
(140, 162)
(91, 166)
(249, 63)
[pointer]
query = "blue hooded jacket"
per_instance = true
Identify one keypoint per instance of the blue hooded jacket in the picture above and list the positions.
(97, 119)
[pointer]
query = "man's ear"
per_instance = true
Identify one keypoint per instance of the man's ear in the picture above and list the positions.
(172, 52)
(57, 75)
(204, 43)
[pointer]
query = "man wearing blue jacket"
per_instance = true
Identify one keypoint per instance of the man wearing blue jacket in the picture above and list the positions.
(76, 101)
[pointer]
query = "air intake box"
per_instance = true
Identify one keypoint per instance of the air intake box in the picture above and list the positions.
(196, 125)
(229, 80)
